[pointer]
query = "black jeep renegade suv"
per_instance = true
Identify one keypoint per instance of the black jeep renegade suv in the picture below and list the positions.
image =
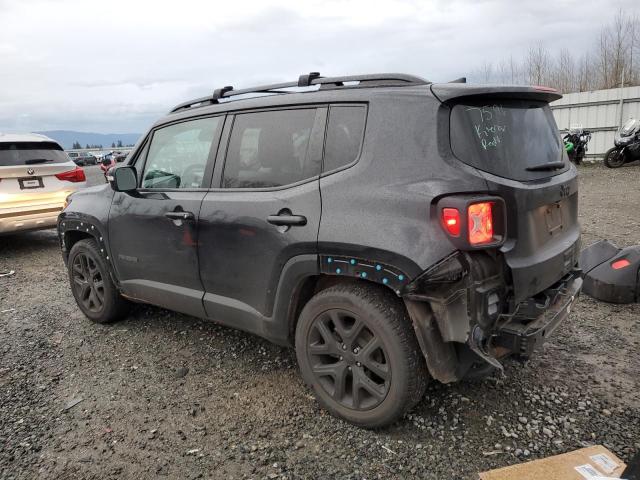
(392, 229)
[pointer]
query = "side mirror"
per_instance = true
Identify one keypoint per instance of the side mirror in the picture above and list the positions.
(123, 179)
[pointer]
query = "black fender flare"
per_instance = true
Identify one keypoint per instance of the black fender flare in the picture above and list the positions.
(88, 226)
(369, 269)
(294, 274)
(297, 270)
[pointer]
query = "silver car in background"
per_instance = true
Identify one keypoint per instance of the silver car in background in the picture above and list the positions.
(36, 176)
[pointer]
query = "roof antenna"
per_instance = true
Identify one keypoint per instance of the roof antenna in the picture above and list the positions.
(305, 80)
(459, 80)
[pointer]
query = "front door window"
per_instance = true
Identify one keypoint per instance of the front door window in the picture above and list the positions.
(178, 154)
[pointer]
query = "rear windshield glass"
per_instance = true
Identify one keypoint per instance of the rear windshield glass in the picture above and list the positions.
(31, 153)
(506, 137)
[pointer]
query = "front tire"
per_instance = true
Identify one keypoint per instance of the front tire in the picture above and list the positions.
(614, 158)
(356, 348)
(91, 284)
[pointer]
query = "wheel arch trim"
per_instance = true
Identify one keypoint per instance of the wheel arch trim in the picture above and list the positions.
(85, 226)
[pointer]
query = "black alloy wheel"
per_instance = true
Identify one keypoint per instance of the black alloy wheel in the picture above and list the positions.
(93, 288)
(357, 350)
(348, 359)
(88, 283)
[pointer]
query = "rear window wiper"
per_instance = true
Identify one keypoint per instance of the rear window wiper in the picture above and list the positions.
(33, 161)
(546, 166)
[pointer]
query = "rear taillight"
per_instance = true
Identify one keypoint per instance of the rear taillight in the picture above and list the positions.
(618, 264)
(75, 175)
(451, 221)
(480, 223)
(472, 221)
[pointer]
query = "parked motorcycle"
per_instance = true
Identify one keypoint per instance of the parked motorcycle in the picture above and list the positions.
(627, 145)
(575, 143)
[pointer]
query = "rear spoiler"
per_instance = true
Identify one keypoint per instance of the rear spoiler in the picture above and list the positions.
(446, 92)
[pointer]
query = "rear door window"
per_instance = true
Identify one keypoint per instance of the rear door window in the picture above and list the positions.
(269, 149)
(344, 136)
(31, 153)
(505, 137)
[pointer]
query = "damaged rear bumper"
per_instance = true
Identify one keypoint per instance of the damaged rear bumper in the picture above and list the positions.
(537, 318)
(464, 322)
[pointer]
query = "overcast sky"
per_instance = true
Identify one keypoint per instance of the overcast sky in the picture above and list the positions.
(115, 66)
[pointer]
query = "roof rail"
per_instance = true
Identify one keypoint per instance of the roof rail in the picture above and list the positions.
(305, 80)
(308, 80)
(219, 92)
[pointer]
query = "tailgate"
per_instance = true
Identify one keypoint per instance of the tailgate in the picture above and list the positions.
(543, 233)
(510, 137)
(34, 185)
(28, 171)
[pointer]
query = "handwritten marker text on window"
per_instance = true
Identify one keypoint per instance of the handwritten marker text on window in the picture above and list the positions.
(489, 129)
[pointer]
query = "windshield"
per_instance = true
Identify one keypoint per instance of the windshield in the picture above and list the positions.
(511, 138)
(629, 128)
(31, 153)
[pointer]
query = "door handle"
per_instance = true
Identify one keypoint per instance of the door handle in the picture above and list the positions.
(179, 215)
(287, 220)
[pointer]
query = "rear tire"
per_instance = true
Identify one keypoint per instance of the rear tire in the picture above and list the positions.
(357, 349)
(613, 158)
(91, 284)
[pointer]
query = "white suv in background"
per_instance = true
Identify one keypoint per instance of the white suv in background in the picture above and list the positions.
(36, 176)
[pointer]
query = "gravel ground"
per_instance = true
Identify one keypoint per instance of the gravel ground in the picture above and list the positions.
(163, 394)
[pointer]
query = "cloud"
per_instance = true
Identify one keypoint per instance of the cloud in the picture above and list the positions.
(119, 65)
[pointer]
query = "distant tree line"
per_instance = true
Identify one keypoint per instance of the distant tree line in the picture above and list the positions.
(77, 146)
(612, 60)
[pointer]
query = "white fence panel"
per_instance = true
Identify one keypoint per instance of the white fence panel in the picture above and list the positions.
(599, 112)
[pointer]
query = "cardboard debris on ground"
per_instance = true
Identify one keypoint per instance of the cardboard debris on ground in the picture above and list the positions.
(587, 463)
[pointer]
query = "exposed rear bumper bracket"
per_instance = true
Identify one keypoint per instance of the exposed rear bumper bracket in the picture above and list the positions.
(538, 317)
(475, 344)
